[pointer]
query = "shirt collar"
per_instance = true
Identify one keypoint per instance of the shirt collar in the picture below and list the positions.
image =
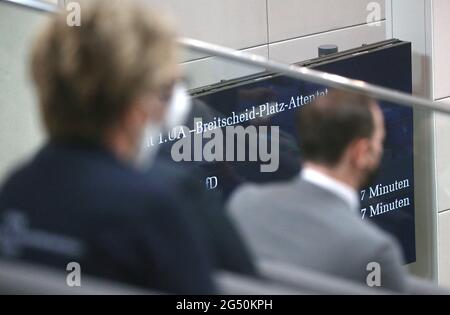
(343, 191)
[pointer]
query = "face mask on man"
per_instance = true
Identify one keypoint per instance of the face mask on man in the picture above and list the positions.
(179, 106)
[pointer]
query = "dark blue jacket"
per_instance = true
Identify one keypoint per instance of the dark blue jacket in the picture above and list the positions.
(77, 203)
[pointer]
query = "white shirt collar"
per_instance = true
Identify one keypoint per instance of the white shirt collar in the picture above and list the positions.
(343, 191)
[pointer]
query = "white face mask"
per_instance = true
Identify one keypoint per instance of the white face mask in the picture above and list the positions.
(178, 109)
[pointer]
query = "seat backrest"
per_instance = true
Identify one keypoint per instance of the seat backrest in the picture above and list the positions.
(22, 278)
(279, 279)
(317, 283)
(311, 281)
(232, 284)
(417, 286)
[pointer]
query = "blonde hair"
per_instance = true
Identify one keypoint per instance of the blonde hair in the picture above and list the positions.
(86, 76)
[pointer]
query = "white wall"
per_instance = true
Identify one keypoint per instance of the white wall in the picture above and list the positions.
(410, 20)
(284, 30)
(20, 131)
(442, 125)
(426, 24)
(441, 43)
(441, 92)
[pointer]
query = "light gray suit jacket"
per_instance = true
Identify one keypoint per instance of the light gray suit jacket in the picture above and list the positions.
(300, 223)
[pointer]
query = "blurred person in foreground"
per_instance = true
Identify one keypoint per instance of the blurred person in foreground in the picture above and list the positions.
(313, 221)
(94, 194)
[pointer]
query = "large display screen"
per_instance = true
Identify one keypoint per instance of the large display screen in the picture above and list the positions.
(271, 100)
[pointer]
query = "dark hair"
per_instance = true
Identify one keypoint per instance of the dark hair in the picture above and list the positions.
(328, 125)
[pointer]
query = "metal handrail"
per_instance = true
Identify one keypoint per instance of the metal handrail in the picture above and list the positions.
(35, 4)
(302, 73)
(318, 77)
